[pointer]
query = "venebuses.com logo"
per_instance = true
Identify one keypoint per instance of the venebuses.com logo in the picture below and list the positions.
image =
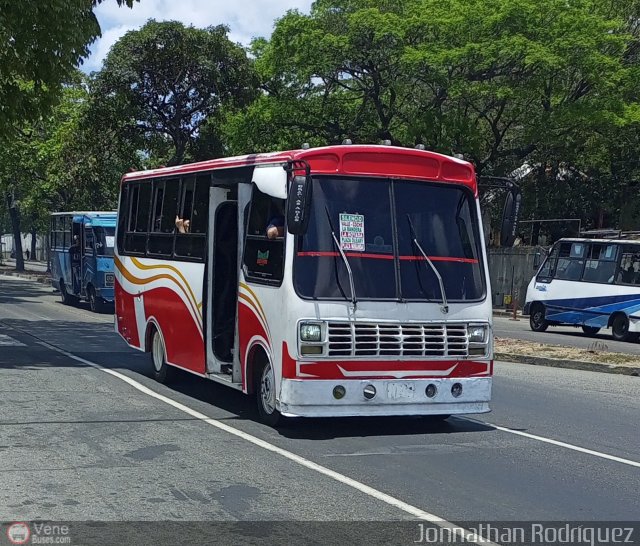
(18, 533)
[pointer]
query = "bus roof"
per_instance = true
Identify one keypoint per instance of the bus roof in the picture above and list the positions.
(351, 159)
(92, 218)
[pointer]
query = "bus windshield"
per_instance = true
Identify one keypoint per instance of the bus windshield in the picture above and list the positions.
(105, 240)
(372, 219)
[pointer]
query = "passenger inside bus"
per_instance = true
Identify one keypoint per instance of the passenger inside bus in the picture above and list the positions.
(182, 224)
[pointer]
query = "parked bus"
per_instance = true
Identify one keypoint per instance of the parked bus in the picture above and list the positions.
(592, 283)
(337, 281)
(82, 245)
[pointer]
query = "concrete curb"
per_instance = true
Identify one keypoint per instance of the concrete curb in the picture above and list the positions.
(43, 278)
(571, 364)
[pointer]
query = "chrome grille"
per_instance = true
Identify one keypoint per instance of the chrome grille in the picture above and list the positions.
(384, 339)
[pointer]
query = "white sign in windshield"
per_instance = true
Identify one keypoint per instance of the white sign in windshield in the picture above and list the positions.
(110, 240)
(352, 232)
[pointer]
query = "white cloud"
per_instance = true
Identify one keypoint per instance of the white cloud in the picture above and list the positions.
(246, 19)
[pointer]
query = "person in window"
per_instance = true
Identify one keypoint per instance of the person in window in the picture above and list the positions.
(275, 226)
(182, 224)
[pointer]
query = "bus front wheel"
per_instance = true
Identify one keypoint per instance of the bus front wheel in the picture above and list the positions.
(67, 298)
(265, 390)
(96, 304)
(590, 330)
(537, 320)
(162, 372)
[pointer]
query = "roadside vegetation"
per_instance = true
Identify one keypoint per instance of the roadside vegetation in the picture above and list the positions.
(545, 86)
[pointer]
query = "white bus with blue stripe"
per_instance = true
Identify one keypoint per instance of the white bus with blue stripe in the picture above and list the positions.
(592, 283)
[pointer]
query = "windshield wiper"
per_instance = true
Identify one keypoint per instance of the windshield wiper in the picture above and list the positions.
(344, 259)
(444, 307)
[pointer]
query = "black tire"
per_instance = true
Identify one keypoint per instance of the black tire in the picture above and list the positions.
(96, 303)
(591, 331)
(620, 328)
(265, 391)
(537, 320)
(67, 298)
(162, 372)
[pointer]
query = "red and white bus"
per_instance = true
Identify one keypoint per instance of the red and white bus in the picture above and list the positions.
(370, 297)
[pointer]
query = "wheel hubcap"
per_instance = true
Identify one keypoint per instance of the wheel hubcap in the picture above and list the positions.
(267, 390)
(158, 353)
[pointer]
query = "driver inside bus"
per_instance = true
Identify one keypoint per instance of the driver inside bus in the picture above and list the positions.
(275, 226)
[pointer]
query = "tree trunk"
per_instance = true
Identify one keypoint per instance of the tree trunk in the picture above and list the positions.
(34, 234)
(14, 214)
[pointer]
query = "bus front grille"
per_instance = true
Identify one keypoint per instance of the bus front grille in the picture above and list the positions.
(360, 339)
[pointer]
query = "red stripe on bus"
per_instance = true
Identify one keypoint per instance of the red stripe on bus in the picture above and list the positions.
(314, 254)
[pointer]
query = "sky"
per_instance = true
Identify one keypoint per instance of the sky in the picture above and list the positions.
(245, 18)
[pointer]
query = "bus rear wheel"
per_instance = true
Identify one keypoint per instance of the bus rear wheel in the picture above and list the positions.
(265, 390)
(620, 328)
(162, 372)
(590, 330)
(537, 320)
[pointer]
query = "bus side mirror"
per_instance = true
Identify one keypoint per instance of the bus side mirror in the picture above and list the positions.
(298, 205)
(510, 215)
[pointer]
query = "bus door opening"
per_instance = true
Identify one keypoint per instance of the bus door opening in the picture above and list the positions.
(75, 256)
(225, 280)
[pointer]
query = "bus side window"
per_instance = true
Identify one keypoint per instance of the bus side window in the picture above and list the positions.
(629, 272)
(137, 211)
(601, 263)
(163, 224)
(570, 261)
(264, 256)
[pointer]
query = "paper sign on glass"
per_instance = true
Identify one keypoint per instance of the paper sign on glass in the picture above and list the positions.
(352, 232)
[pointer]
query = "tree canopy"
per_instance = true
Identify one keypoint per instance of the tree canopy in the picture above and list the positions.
(169, 80)
(41, 45)
(546, 89)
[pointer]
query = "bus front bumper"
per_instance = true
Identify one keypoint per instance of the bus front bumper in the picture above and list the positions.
(315, 398)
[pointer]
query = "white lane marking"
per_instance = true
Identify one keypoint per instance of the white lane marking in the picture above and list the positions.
(467, 535)
(559, 444)
(9, 341)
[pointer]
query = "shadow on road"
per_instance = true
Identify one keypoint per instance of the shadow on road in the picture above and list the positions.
(98, 343)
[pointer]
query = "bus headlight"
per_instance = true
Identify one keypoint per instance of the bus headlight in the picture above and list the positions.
(477, 334)
(310, 332)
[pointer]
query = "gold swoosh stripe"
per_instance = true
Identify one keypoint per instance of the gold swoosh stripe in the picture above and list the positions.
(144, 267)
(246, 287)
(251, 304)
(141, 282)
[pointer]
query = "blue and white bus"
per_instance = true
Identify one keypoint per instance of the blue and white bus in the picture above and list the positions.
(592, 283)
(82, 256)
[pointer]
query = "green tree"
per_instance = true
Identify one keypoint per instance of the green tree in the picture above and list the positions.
(503, 82)
(166, 80)
(41, 44)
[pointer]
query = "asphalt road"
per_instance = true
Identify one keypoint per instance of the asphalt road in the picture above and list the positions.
(78, 443)
(561, 335)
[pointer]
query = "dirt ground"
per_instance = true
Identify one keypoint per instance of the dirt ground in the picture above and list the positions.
(596, 353)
